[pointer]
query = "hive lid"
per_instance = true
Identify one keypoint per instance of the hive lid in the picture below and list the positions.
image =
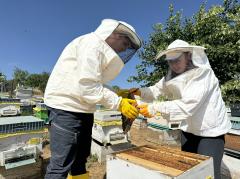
(18, 119)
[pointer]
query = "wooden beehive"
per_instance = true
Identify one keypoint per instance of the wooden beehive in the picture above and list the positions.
(158, 162)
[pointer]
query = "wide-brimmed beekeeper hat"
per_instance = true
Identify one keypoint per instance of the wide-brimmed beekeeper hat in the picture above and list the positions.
(108, 26)
(176, 48)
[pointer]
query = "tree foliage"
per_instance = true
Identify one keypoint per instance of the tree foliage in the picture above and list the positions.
(20, 76)
(231, 91)
(217, 29)
(38, 81)
(2, 82)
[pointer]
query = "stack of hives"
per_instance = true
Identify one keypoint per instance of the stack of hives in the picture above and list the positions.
(107, 134)
(107, 127)
(20, 140)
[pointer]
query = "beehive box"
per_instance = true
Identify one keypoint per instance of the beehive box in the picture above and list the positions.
(148, 162)
(20, 124)
(108, 115)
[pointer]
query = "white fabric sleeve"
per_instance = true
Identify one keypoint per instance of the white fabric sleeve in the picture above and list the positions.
(153, 92)
(90, 81)
(193, 96)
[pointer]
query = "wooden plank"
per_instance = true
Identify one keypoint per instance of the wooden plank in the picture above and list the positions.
(185, 154)
(173, 154)
(179, 152)
(152, 165)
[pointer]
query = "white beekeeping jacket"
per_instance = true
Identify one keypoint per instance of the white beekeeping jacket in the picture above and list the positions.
(88, 62)
(195, 99)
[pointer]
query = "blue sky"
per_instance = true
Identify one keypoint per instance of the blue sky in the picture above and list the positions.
(34, 32)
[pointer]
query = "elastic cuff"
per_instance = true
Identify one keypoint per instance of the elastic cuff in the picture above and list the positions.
(119, 102)
(151, 110)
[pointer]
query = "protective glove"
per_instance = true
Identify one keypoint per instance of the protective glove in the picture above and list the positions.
(128, 109)
(143, 109)
(135, 91)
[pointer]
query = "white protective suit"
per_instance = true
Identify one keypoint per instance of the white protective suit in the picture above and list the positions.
(195, 98)
(88, 62)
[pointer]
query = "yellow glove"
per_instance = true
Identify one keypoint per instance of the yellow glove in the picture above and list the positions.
(128, 109)
(135, 91)
(143, 109)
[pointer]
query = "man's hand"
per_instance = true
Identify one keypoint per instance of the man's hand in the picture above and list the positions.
(128, 109)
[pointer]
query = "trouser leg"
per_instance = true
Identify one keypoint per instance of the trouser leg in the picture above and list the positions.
(83, 149)
(214, 147)
(67, 132)
(189, 142)
(209, 146)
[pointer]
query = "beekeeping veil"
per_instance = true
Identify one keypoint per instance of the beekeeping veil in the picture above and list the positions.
(109, 25)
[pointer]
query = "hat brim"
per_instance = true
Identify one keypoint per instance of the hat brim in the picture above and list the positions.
(132, 36)
(180, 49)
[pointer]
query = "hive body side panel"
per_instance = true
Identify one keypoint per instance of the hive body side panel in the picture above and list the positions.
(121, 169)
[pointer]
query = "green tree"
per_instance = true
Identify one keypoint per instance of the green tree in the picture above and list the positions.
(38, 81)
(217, 29)
(20, 76)
(33, 80)
(43, 82)
(2, 82)
(10, 87)
(116, 88)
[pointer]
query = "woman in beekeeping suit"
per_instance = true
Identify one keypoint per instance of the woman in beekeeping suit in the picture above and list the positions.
(194, 98)
(76, 85)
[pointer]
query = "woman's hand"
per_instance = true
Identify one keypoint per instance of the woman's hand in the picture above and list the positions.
(143, 109)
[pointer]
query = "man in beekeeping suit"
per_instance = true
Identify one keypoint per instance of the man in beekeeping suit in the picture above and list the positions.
(76, 86)
(194, 98)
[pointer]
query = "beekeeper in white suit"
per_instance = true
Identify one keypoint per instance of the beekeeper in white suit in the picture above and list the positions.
(76, 86)
(194, 98)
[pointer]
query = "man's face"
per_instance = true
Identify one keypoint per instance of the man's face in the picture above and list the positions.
(119, 42)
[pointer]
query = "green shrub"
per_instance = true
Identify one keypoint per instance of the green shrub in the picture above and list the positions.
(231, 91)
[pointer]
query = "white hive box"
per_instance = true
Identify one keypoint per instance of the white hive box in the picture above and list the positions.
(107, 128)
(158, 162)
(20, 140)
(108, 115)
(108, 134)
(18, 156)
(163, 122)
(101, 151)
(19, 124)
